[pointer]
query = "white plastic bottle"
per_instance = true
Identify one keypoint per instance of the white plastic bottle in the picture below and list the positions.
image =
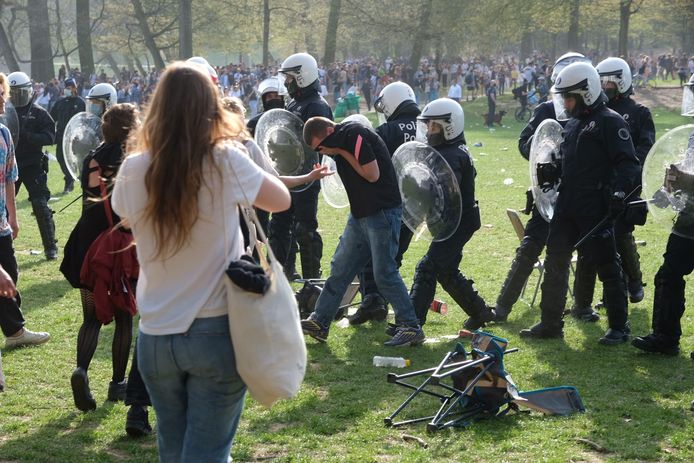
(397, 362)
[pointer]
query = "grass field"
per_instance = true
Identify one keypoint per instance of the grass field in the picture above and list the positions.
(637, 404)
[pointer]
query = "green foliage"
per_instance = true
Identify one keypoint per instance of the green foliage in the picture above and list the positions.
(637, 404)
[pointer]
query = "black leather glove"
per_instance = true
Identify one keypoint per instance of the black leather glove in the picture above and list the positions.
(617, 204)
(548, 174)
(661, 199)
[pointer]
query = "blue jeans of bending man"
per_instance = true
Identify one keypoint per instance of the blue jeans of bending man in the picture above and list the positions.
(195, 389)
(372, 238)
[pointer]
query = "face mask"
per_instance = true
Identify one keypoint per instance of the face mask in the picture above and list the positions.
(436, 139)
(96, 109)
(292, 87)
(611, 93)
(275, 103)
(67, 92)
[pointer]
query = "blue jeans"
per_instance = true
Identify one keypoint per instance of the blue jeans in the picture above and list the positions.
(195, 389)
(374, 237)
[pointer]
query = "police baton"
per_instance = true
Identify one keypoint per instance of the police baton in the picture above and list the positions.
(70, 204)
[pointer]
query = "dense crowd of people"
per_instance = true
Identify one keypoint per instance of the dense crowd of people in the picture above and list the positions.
(157, 183)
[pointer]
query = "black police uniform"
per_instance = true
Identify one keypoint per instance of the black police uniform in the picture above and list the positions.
(642, 131)
(400, 128)
(62, 112)
(442, 259)
(300, 221)
(536, 229)
(668, 300)
(598, 158)
(37, 129)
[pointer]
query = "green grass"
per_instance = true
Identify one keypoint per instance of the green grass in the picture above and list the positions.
(637, 405)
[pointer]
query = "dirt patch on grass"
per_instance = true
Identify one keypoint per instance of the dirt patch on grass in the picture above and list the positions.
(666, 97)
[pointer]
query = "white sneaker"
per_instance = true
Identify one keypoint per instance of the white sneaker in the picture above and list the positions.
(27, 338)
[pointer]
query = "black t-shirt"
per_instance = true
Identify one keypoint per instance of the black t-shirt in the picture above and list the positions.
(365, 198)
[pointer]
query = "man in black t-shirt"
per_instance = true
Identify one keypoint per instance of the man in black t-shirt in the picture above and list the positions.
(372, 230)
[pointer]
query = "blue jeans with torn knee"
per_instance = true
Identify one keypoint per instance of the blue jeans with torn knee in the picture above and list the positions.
(195, 389)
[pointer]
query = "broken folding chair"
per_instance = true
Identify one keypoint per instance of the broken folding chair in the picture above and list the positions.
(473, 386)
(307, 296)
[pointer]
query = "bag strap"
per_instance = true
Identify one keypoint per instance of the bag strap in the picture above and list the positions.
(253, 219)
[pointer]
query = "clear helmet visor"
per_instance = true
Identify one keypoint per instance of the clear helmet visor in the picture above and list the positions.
(96, 107)
(688, 100)
(559, 109)
(421, 134)
(381, 118)
(21, 96)
(605, 79)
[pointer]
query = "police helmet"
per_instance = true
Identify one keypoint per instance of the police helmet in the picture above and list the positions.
(615, 70)
(303, 68)
(448, 114)
(392, 96)
(566, 59)
(105, 93)
(272, 84)
(21, 89)
(580, 79)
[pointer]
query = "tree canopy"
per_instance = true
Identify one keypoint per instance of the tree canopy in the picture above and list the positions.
(148, 33)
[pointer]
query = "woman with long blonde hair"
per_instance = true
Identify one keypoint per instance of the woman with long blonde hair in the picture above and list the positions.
(179, 191)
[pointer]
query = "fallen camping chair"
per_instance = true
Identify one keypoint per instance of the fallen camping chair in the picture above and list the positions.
(470, 389)
(307, 296)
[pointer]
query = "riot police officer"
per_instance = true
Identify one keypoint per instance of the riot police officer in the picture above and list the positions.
(397, 110)
(599, 168)
(271, 91)
(36, 130)
(615, 75)
(101, 97)
(444, 122)
(62, 112)
(537, 228)
(300, 222)
(678, 260)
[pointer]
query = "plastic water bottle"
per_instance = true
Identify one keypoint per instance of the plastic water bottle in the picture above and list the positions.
(396, 362)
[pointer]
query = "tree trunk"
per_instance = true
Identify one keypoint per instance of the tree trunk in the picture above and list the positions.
(526, 50)
(185, 29)
(331, 32)
(84, 38)
(266, 32)
(6, 50)
(147, 34)
(40, 41)
(572, 36)
(421, 36)
(624, 17)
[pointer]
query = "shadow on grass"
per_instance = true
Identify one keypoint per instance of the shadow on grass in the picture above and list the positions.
(621, 388)
(75, 436)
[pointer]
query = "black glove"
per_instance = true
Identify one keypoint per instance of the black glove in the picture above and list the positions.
(247, 275)
(548, 174)
(661, 199)
(617, 204)
(529, 201)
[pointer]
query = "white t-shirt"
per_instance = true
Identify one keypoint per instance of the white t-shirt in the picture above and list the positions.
(171, 293)
(455, 91)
